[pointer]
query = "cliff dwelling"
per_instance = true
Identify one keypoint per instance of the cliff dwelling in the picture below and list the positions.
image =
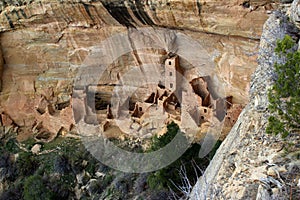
(94, 92)
(174, 99)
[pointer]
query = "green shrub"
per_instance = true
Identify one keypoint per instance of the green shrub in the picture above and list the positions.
(36, 189)
(26, 164)
(11, 146)
(157, 180)
(284, 96)
(159, 142)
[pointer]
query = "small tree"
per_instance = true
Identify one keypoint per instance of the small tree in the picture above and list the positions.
(284, 96)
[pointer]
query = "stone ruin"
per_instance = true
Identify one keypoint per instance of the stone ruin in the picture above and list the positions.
(190, 105)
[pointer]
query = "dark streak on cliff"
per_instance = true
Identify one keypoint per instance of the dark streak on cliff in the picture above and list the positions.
(87, 9)
(9, 21)
(23, 13)
(199, 7)
(16, 13)
(141, 14)
(120, 13)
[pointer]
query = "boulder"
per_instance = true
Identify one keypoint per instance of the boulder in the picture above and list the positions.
(295, 12)
(36, 148)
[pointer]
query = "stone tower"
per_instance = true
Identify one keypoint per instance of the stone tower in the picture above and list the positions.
(173, 73)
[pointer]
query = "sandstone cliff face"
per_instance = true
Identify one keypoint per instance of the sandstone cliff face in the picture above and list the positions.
(251, 164)
(44, 42)
(242, 18)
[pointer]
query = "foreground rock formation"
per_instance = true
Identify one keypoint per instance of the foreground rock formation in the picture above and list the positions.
(251, 164)
(44, 43)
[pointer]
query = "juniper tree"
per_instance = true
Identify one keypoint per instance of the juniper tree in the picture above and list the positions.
(284, 96)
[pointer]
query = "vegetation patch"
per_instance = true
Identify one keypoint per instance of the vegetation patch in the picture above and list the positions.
(284, 96)
(186, 168)
(64, 164)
